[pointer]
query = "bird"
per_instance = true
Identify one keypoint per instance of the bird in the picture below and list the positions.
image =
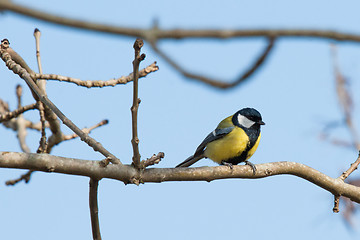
(234, 140)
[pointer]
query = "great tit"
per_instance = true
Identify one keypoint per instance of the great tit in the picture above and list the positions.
(235, 140)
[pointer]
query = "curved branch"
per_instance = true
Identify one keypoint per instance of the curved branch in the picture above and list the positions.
(128, 174)
(217, 82)
(156, 33)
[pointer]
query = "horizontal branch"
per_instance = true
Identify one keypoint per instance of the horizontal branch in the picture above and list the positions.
(128, 174)
(98, 83)
(157, 34)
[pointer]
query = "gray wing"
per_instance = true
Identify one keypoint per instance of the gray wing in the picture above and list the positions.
(214, 135)
(199, 154)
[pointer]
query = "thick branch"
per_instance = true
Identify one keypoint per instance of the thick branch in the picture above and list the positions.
(128, 174)
(157, 34)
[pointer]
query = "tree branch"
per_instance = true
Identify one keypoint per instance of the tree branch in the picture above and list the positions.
(157, 34)
(218, 83)
(94, 210)
(139, 43)
(128, 174)
(9, 115)
(99, 83)
(17, 69)
(26, 177)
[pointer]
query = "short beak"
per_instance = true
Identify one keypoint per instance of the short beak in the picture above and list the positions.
(260, 122)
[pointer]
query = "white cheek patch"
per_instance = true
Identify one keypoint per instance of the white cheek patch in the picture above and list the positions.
(244, 121)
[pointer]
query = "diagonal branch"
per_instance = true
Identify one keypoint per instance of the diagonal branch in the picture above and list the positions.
(9, 115)
(86, 130)
(17, 69)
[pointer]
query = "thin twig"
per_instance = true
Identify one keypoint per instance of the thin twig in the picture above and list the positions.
(42, 85)
(345, 98)
(10, 115)
(154, 159)
(99, 83)
(21, 123)
(17, 69)
(37, 35)
(336, 203)
(218, 83)
(134, 109)
(352, 168)
(94, 210)
(86, 130)
(346, 104)
(42, 144)
(26, 177)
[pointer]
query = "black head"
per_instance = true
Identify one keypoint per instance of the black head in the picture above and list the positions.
(247, 117)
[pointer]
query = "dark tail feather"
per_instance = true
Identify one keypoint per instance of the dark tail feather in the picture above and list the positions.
(190, 161)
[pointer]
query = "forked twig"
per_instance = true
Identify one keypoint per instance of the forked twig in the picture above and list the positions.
(17, 69)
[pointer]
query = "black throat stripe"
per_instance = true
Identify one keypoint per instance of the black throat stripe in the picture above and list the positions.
(253, 134)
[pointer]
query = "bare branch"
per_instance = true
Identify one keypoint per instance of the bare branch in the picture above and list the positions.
(17, 69)
(21, 124)
(218, 83)
(37, 35)
(94, 210)
(139, 43)
(128, 174)
(336, 203)
(26, 177)
(346, 104)
(42, 85)
(345, 99)
(154, 159)
(9, 115)
(157, 34)
(352, 168)
(99, 83)
(86, 130)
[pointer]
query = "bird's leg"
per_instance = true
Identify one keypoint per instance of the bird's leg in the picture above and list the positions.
(251, 165)
(227, 164)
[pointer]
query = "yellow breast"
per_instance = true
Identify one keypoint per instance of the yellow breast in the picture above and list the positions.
(232, 145)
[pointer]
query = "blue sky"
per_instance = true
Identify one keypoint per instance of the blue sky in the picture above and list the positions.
(294, 91)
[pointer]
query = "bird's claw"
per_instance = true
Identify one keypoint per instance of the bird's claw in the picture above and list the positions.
(252, 166)
(227, 164)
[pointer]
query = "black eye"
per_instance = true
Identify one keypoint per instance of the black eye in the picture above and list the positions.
(253, 118)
